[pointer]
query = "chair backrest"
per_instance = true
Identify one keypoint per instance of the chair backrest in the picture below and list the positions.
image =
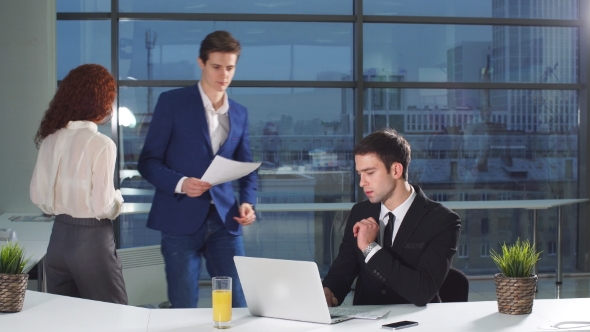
(455, 288)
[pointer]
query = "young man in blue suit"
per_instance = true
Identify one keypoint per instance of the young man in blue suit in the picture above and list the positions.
(398, 244)
(190, 126)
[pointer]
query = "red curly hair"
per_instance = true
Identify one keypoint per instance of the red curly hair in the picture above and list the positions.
(86, 93)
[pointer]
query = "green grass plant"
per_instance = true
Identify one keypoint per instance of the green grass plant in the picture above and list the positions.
(517, 260)
(12, 258)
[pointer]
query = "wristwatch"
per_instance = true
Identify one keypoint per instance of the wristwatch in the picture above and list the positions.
(369, 248)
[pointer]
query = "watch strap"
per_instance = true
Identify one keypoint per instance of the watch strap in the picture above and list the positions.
(369, 248)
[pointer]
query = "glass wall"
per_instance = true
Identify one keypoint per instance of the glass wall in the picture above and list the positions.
(464, 53)
(544, 9)
(287, 51)
(80, 42)
(486, 92)
(86, 6)
(314, 7)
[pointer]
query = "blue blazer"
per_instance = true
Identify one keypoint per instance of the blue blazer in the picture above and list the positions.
(178, 144)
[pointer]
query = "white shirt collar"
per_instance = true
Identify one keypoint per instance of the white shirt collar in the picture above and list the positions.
(209, 106)
(400, 211)
(82, 124)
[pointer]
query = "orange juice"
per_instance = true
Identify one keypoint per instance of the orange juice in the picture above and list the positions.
(222, 305)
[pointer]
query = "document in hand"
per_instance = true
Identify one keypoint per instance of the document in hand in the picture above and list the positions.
(223, 170)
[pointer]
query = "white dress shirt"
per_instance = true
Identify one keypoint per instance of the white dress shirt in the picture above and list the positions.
(217, 120)
(74, 173)
(399, 213)
(218, 123)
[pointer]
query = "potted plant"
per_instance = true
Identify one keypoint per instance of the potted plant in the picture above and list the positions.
(13, 282)
(515, 284)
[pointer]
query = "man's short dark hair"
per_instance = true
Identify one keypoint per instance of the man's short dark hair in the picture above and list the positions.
(219, 41)
(388, 146)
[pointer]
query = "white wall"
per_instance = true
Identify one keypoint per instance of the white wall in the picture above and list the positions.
(27, 84)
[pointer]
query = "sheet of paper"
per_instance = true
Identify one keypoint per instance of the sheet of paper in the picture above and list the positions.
(223, 170)
(358, 313)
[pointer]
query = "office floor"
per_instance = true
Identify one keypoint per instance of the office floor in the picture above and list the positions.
(485, 290)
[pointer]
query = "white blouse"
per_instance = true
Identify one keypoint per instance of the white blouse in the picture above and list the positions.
(74, 173)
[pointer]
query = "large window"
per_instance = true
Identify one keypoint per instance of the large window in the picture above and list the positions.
(545, 9)
(333, 7)
(486, 92)
(80, 42)
(287, 51)
(74, 6)
(466, 53)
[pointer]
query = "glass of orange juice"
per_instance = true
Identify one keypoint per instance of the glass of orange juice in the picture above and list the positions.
(221, 302)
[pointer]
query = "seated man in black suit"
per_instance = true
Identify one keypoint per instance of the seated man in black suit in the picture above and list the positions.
(399, 243)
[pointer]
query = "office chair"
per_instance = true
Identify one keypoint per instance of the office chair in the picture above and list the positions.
(455, 288)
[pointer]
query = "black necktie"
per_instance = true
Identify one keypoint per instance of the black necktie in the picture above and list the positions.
(388, 232)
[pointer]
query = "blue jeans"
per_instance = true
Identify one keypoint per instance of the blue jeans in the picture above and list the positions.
(182, 257)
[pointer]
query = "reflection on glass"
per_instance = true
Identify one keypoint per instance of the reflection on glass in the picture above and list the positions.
(536, 9)
(80, 42)
(483, 145)
(288, 127)
(515, 111)
(270, 50)
(126, 118)
(461, 53)
(140, 102)
(304, 139)
(135, 112)
(75, 6)
(334, 7)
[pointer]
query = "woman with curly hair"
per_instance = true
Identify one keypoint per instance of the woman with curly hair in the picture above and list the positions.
(73, 180)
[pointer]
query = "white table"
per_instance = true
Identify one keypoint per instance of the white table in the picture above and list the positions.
(136, 208)
(538, 204)
(456, 317)
(47, 312)
(34, 238)
(27, 230)
(534, 204)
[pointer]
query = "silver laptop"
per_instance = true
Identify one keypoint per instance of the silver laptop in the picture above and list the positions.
(284, 289)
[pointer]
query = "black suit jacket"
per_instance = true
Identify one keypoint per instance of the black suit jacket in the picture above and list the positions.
(412, 271)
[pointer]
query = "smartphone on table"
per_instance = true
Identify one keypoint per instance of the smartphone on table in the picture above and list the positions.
(399, 325)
